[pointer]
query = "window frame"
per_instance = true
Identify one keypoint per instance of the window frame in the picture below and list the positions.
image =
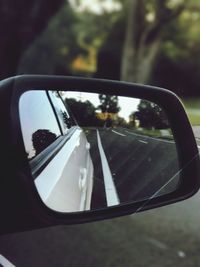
(39, 162)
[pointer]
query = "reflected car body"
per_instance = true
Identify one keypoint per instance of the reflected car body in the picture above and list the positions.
(58, 152)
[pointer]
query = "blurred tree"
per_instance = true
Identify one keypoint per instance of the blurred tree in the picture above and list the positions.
(109, 106)
(120, 122)
(158, 45)
(132, 120)
(20, 23)
(55, 49)
(109, 55)
(94, 27)
(146, 25)
(109, 103)
(178, 67)
(151, 116)
(83, 112)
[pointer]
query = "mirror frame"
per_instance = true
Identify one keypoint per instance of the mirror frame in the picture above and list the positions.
(185, 142)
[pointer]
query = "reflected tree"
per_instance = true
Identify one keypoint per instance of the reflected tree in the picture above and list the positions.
(67, 120)
(42, 139)
(109, 103)
(109, 107)
(120, 122)
(132, 120)
(150, 115)
(84, 112)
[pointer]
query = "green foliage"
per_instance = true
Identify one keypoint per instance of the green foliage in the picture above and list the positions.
(151, 116)
(70, 43)
(93, 29)
(192, 106)
(56, 47)
(83, 112)
(108, 103)
(177, 66)
(41, 37)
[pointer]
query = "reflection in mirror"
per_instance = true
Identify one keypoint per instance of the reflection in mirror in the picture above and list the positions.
(89, 151)
(192, 106)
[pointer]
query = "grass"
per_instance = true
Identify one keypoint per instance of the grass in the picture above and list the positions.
(154, 133)
(193, 118)
(192, 105)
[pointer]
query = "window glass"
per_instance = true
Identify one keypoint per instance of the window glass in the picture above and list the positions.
(38, 122)
(65, 119)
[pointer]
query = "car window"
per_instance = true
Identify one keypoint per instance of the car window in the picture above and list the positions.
(65, 120)
(39, 125)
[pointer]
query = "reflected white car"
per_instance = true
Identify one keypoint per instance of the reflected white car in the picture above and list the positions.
(58, 152)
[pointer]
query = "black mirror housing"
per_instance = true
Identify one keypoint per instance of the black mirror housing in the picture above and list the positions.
(21, 205)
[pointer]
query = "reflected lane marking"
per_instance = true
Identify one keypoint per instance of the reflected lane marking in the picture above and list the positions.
(110, 189)
(4, 262)
(118, 133)
(152, 138)
(144, 142)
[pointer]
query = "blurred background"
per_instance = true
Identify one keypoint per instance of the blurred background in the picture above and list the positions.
(144, 41)
(152, 42)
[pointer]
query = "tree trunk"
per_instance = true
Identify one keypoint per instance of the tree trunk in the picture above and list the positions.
(141, 46)
(146, 60)
(128, 64)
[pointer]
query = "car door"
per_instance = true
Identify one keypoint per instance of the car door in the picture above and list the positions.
(58, 152)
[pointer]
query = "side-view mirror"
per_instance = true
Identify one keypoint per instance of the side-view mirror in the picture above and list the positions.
(75, 150)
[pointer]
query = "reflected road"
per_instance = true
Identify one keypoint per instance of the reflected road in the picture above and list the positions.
(167, 236)
(135, 170)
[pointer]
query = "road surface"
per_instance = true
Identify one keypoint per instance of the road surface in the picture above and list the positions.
(126, 166)
(167, 236)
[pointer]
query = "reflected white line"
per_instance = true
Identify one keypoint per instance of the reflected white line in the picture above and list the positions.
(110, 189)
(118, 133)
(152, 138)
(144, 142)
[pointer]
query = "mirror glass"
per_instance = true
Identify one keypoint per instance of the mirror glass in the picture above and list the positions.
(89, 151)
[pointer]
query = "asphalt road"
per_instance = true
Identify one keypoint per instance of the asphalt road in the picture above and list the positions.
(139, 165)
(167, 236)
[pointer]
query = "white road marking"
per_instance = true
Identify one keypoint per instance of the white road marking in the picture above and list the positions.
(163, 246)
(110, 189)
(157, 243)
(152, 138)
(181, 254)
(144, 142)
(118, 133)
(5, 263)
